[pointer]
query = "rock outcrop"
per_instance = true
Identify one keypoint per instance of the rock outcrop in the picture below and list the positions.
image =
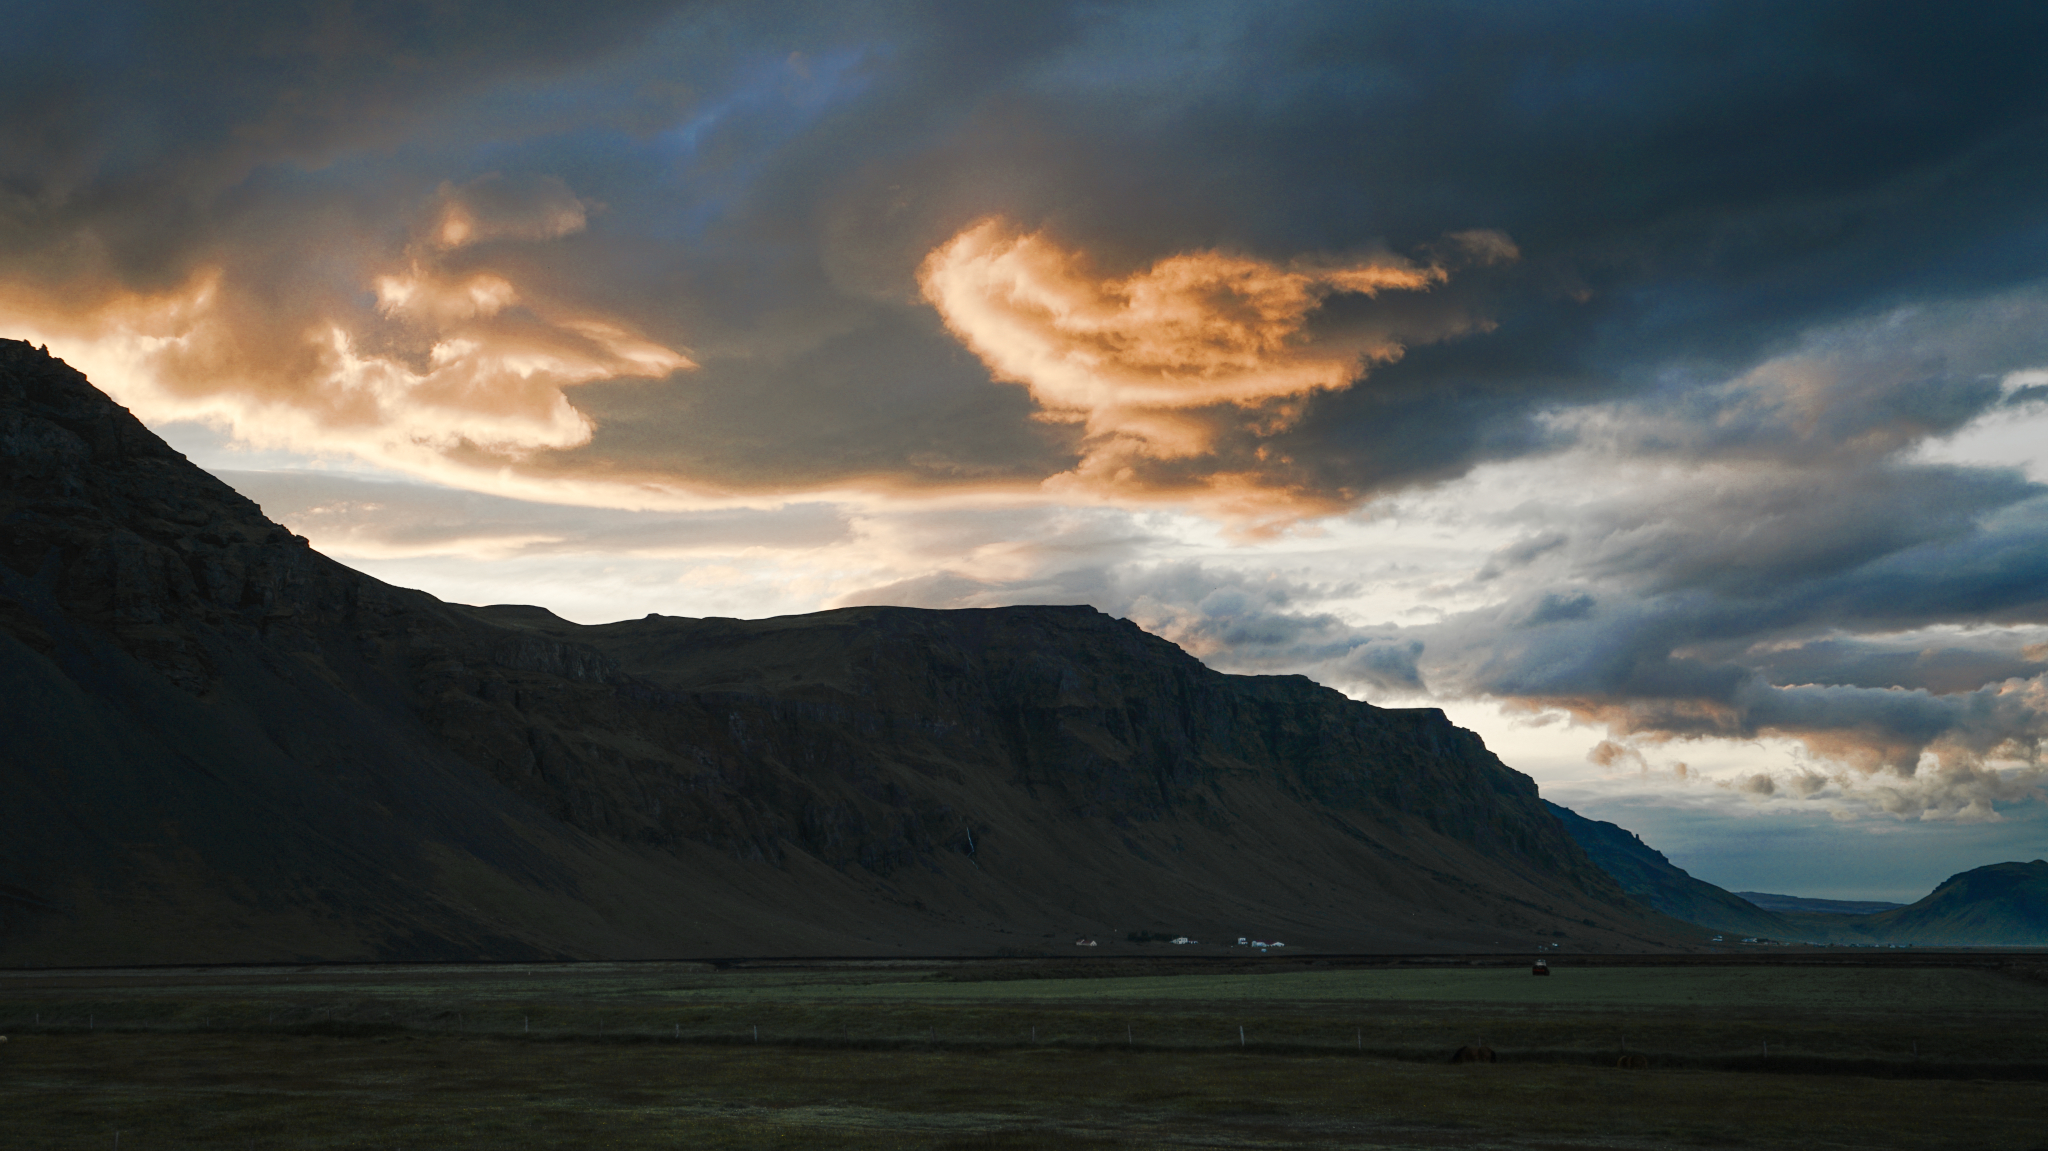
(221, 745)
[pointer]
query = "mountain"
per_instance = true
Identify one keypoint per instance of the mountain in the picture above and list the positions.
(2003, 904)
(1771, 902)
(221, 745)
(1644, 873)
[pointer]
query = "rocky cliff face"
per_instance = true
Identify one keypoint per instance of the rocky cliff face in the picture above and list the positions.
(224, 745)
(109, 526)
(860, 736)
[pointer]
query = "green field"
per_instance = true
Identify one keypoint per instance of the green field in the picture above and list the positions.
(1932, 1053)
(1830, 989)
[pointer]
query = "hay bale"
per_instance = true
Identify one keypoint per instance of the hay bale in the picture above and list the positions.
(1472, 1054)
(1633, 1062)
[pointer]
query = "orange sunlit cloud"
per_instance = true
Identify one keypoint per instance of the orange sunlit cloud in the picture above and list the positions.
(1146, 361)
(452, 360)
(460, 367)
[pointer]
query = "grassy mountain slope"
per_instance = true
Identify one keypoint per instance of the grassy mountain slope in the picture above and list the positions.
(2002, 904)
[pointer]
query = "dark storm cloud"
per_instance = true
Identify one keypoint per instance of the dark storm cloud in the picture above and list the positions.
(1688, 187)
(1841, 396)
(131, 121)
(1945, 669)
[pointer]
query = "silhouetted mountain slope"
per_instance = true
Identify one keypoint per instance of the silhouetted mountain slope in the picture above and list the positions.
(1782, 903)
(1643, 872)
(221, 745)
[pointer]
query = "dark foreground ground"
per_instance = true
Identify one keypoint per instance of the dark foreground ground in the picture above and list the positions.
(1810, 1051)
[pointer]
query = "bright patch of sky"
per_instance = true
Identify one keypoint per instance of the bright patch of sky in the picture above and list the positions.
(2015, 436)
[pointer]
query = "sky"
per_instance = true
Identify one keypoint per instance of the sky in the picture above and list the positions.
(1660, 389)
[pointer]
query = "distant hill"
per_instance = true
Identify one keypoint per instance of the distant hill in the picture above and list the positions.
(1998, 905)
(2002, 905)
(220, 745)
(1644, 873)
(1771, 902)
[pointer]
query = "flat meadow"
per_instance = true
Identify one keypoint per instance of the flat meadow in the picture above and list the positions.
(1813, 1050)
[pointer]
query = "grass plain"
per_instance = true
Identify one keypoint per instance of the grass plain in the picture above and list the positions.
(1809, 1051)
